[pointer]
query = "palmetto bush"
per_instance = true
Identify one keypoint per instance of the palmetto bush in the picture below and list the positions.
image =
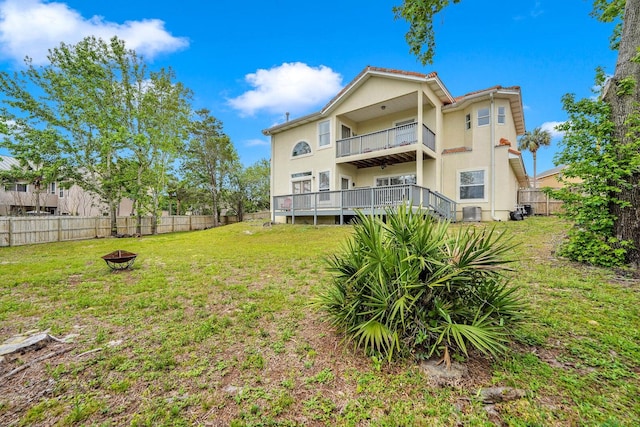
(407, 285)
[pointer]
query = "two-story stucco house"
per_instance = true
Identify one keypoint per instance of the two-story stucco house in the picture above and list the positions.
(393, 137)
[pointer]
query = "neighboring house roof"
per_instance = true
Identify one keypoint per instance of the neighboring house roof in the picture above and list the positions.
(6, 163)
(431, 79)
(550, 172)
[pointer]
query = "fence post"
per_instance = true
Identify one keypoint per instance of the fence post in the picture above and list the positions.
(59, 229)
(547, 200)
(10, 232)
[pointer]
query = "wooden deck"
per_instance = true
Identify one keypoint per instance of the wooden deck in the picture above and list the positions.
(371, 201)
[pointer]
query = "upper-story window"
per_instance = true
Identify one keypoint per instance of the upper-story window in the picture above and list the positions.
(483, 116)
(501, 115)
(22, 188)
(301, 149)
(52, 188)
(467, 121)
(324, 133)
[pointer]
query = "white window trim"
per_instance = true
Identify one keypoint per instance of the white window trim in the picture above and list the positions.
(309, 178)
(347, 177)
(467, 123)
(486, 185)
(319, 180)
(329, 145)
(301, 156)
(498, 115)
(487, 116)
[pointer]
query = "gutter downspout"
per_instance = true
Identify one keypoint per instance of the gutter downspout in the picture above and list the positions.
(493, 158)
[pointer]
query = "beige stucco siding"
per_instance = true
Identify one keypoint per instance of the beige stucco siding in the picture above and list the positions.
(374, 91)
(508, 129)
(366, 177)
(480, 159)
(454, 134)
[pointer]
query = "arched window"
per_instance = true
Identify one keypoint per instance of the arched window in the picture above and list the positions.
(301, 148)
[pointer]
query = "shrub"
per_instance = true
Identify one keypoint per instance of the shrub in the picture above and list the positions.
(405, 285)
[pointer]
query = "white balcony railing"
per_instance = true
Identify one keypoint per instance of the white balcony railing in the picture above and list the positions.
(387, 138)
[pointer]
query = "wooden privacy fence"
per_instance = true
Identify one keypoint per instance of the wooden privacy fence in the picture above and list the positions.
(541, 203)
(16, 231)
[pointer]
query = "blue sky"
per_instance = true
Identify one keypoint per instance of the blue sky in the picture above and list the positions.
(250, 62)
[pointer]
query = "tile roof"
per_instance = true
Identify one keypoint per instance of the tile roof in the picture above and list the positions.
(456, 150)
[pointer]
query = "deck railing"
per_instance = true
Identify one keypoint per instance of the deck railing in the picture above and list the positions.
(369, 200)
(387, 138)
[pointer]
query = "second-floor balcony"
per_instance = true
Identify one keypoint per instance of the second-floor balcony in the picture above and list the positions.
(388, 138)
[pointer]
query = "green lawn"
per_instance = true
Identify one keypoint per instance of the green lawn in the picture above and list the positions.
(214, 328)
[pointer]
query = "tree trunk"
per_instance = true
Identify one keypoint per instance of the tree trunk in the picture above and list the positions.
(240, 211)
(535, 176)
(214, 200)
(114, 218)
(138, 202)
(623, 106)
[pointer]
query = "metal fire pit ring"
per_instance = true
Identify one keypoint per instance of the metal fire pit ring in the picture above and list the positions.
(120, 260)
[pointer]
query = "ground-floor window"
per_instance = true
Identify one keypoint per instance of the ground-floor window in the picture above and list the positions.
(300, 187)
(324, 185)
(471, 184)
(395, 180)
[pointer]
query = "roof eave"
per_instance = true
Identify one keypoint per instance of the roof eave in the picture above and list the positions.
(292, 123)
(513, 94)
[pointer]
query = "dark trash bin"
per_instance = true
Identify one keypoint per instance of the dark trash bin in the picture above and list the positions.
(515, 216)
(528, 210)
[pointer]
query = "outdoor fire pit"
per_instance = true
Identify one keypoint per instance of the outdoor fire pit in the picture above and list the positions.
(120, 260)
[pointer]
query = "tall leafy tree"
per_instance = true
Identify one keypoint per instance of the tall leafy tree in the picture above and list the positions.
(248, 189)
(159, 123)
(116, 126)
(181, 192)
(79, 98)
(257, 178)
(209, 158)
(532, 141)
(592, 157)
(622, 96)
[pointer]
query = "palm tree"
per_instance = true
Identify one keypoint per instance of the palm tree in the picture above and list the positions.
(532, 141)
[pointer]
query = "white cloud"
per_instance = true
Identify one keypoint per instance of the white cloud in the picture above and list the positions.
(291, 87)
(551, 127)
(31, 27)
(256, 143)
(537, 10)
